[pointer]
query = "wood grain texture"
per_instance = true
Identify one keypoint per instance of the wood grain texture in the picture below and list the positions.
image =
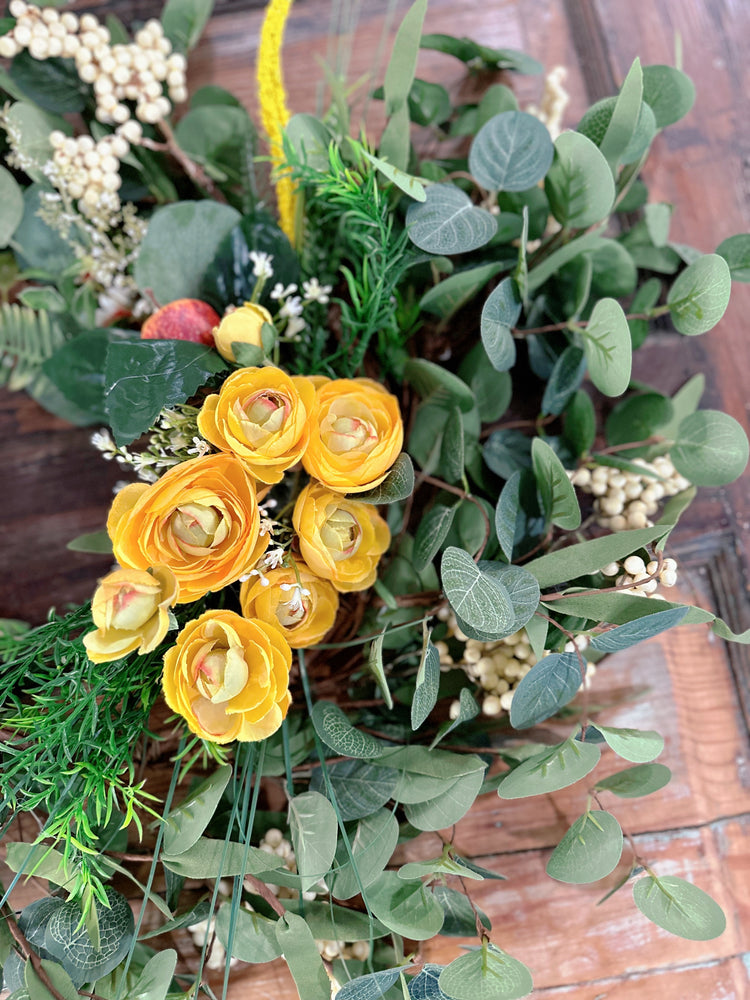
(699, 691)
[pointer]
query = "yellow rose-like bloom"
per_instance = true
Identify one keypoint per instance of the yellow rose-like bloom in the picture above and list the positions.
(229, 677)
(356, 437)
(340, 540)
(261, 415)
(200, 519)
(304, 616)
(241, 326)
(130, 608)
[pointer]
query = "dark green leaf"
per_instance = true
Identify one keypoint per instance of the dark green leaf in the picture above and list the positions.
(452, 448)
(35, 245)
(634, 782)
(428, 683)
(511, 152)
(181, 242)
(645, 298)
(77, 370)
(579, 183)
(566, 376)
(558, 495)
(446, 298)
(551, 265)
(460, 919)
(429, 103)
(506, 514)
(360, 788)
(52, 84)
(668, 92)
(184, 21)
(429, 378)
(637, 418)
(590, 850)
(333, 727)
(487, 973)
(580, 423)
(68, 942)
(467, 710)
(95, 541)
(548, 686)
(554, 768)
(372, 986)
(425, 985)
(448, 223)
(699, 297)
(506, 452)
(11, 206)
(142, 377)
(336, 923)
(479, 600)
(432, 531)
(679, 907)
(222, 138)
(711, 448)
(397, 485)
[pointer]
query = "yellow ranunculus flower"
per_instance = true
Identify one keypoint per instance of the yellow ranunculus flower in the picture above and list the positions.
(303, 615)
(356, 436)
(261, 415)
(200, 519)
(228, 677)
(341, 540)
(130, 609)
(242, 325)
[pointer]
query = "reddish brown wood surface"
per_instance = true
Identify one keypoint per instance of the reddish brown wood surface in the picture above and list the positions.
(699, 826)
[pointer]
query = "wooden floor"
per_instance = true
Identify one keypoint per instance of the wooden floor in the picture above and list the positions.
(697, 688)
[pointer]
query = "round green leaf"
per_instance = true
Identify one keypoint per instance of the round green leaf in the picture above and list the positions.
(360, 788)
(608, 347)
(254, 935)
(333, 727)
(447, 222)
(499, 314)
(590, 849)
(407, 908)
(637, 745)
(558, 495)
(711, 448)
(548, 686)
(699, 297)
(428, 378)
(679, 907)
(372, 845)
(580, 423)
(180, 244)
(554, 768)
(314, 828)
(451, 805)
(736, 252)
(668, 92)
(634, 782)
(486, 973)
(638, 417)
(68, 942)
(579, 184)
(511, 152)
(595, 123)
(371, 986)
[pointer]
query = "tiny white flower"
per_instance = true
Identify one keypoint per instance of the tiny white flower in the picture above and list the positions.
(274, 558)
(295, 325)
(200, 447)
(102, 440)
(262, 267)
(280, 291)
(292, 307)
(315, 292)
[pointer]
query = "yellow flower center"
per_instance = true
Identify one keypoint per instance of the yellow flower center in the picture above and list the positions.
(351, 430)
(341, 534)
(262, 415)
(220, 673)
(290, 614)
(198, 525)
(131, 607)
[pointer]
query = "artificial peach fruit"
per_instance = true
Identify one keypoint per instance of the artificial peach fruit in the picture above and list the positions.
(183, 319)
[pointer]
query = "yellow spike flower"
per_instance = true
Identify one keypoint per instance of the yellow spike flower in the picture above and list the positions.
(273, 108)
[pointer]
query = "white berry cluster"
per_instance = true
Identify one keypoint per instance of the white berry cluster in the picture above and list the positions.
(497, 667)
(137, 71)
(217, 957)
(358, 950)
(274, 842)
(554, 101)
(635, 575)
(629, 499)
(88, 171)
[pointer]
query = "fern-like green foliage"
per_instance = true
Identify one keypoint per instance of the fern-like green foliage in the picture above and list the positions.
(27, 339)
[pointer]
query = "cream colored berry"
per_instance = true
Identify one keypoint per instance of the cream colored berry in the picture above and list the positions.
(634, 565)
(455, 710)
(611, 569)
(492, 705)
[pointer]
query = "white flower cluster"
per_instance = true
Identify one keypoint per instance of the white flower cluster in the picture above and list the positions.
(629, 499)
(497, 667)
(173, 439)
(289, 317)
(555, 100)
(635, 575)
(136, 71)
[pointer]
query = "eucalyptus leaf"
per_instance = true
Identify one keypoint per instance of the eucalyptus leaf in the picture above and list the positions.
(399, 77)
(679, 907)
(329, 922)
(185, 824)
(180, 244)
(636, 745)
(668, 92)
(624, 120)
(372, 844)
(427, 684)
(637, 418)
(634, 632)
(209, 858)
(507, 451)
(184, 21)
(397, 485)
(301, 953)
(333, 727)
(155, 978)
(700, 295)
(507, 513)
(408, 908)
(425, 985)
(558, 495)
(429, 378)
(563, 383)
(432, 531)
(579, 183)
(635, 782)
(460, 919)
(499, 315)
(548, 686)
(453, 292)
(360, 788)
(467, 710)
(411, 186)
(736, 252)
(554, 768)
(479, 600)
(590, 850)
(313, 825)
(94, 541)
(711, 448)
(447, 222)
(371, 986)
(11, 206)
(486, 973)
(511, 152)
(580, 423)
(609, 352)
(452, 448)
